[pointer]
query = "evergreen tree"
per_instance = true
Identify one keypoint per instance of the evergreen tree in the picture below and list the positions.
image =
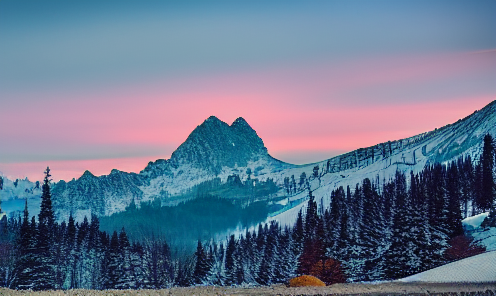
(311, 216)
(370, 229)
(44, 274)
(343, 239)
(26, 248)
(71, 252)
(113, 272)
(438, 214)
(466, 180)
(126, 279)
(230, 267)
(201, 265)
(486, 198)
(303, 178)
(401, 249)
(453, 192)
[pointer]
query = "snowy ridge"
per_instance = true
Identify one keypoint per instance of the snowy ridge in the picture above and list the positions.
(379, 163)
(218, 150)
(14, 193)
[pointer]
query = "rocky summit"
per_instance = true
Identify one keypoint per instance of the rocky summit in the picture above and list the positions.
(214, 144)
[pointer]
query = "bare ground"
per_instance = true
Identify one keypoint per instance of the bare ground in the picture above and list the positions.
(383, 289)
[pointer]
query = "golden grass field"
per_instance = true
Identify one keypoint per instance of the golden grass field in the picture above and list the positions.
(390, 288)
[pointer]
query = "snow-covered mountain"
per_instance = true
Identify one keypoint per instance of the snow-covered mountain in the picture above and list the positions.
(218, 150)
(214, 149)
(13, 193)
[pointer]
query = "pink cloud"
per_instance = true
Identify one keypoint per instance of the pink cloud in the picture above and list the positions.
(324, 106)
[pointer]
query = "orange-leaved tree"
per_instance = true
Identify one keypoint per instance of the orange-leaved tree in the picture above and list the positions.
(330, 271)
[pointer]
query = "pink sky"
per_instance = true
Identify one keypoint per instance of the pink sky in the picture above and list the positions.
(303, 112)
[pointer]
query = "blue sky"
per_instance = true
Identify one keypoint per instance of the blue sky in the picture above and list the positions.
(84, 68)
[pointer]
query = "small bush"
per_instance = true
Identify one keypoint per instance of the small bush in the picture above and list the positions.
(462, 247)
(306, 281)
(330, 271)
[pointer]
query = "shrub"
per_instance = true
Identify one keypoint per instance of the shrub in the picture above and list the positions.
(306, 281)
(462, 247)
(330, 271)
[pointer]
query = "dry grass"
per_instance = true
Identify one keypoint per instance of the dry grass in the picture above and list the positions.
(337, 289)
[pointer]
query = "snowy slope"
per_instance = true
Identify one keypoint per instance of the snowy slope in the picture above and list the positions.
(14, 193)
(483, 236)
(479, 268)
(380, 162)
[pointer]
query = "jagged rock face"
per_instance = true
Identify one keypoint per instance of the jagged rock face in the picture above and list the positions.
(214, 144)
(95, 194)
(156, 168)
(210, 147)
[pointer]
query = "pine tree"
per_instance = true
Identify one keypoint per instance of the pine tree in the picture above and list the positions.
(230, 267)
(453, 192)
(370, 229)
(343, 239)
(216, 275)
(25, 262)
(486, 197)
(44, 275)
(112, 263)
(333, 221)
(201, 264)
(158, 265)
(270, 255)
(401, 249)
(125, 280)
(311, 216)
(438, 213)
(466, 180)
(70, 245)
(297, 238)
(239, 271)
(95, 250)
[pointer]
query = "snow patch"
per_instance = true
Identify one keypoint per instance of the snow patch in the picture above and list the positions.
(475, 221)
(479, 268)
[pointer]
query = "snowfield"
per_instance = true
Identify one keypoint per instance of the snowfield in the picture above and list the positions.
(480, 268)
(485, 237)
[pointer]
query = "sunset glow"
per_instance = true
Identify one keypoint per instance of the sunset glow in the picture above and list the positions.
(117, 90)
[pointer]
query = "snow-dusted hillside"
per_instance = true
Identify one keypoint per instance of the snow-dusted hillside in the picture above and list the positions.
(480, 268)
(482, 236)
(14, 193)
(217, 150)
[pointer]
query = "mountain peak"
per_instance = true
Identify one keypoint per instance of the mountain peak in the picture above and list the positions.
(240, 121)
(212, 118)
(214, 144)
(87, 174)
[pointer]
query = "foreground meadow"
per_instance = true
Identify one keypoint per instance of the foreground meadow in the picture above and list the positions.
(387, 288)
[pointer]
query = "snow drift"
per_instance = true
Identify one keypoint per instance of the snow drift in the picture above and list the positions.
(480, 268)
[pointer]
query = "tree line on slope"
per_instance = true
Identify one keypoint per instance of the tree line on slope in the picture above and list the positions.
(368, 234)
(411, 224)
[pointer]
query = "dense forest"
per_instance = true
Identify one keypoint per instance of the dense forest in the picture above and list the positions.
(246, 206)
(409, 224)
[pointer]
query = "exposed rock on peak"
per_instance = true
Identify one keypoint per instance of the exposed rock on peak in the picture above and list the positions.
(87, 174)
(214, 144)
